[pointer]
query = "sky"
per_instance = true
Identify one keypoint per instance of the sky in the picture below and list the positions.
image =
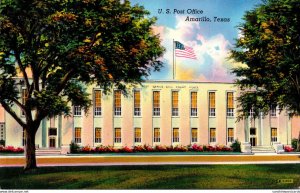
(211, 40)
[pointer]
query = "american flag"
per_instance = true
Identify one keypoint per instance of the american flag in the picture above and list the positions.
(184, 51)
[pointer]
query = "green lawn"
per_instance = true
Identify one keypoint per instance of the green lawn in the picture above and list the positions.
(155, 177)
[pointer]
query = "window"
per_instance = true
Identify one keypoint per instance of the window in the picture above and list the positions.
(156, 135)
(137, 135)
(175, 135)
(52, 132)
(253, 131)
(77, 111)
(77, 134)
(174, 103)
(194, 104)
(273, 134)
(212, 104)
(117, 97)
(2, 131)
(156, 103)
(98, 135)
(230, 135)
(212, 134)
(24, 98)
(118, 138)
(194, 135)
(273, 111)
(137, 103)
(97, 103)
(230, 105)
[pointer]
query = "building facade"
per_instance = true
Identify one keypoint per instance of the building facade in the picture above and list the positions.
(157, 113)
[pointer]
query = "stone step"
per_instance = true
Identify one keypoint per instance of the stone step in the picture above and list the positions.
(48, 152)
(263, 149)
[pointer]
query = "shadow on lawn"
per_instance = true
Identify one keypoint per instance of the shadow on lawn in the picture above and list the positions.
(8, 172)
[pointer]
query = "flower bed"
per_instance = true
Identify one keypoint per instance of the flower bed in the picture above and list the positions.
(11, 149)
(288, 148)
(157, 148)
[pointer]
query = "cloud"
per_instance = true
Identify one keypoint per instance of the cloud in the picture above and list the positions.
(212, 52)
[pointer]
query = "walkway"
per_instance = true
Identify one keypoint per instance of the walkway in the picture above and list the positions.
(12, 161)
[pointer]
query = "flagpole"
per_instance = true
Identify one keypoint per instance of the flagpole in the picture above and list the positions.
(173, 59)
(175, 63)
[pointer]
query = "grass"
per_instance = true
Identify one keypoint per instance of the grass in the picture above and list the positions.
(155, 177)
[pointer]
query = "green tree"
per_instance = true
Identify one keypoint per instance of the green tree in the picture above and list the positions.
(269, 49)
(59, 46)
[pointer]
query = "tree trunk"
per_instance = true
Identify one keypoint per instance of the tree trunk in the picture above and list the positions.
(30, 150)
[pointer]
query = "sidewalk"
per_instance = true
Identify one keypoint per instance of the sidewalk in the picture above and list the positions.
(103, 160)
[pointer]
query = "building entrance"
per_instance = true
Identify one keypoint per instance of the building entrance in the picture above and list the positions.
(52, 137)
(253, 137)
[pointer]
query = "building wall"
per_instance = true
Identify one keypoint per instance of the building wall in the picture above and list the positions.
(286, 128)
(295, 127)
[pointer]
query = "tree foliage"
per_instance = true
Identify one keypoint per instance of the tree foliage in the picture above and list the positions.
(58, 47)
(269, 48)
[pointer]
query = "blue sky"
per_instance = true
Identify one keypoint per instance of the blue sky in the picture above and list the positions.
(211, 41)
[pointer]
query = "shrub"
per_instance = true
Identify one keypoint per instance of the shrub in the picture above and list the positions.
(196, 147)
(86, 149)
(210, 148)
(295, 144)
(100, 149)
(148, 148)
(160, 148)
(74, 147)
(236, 146)
(225, 148)
(170, 148)
(126, 150)
(139, 148)
(180, 148)
(219, 148)
(11, 149)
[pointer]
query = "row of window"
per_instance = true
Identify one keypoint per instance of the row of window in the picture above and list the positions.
(156, 135)
(156, 104)
(273, 111)
(2, 131)
(138, 134)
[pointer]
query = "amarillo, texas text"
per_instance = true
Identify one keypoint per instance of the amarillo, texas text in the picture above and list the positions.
(194, 12)
(207, 19)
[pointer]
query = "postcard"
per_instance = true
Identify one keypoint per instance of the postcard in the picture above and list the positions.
(161, 94)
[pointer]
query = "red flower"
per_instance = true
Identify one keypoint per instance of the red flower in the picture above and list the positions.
(148, 148)
(210, 148)
(196, 147)
(288, 148)
(11, 149)
(126, 150)
(160, 148)
(138, 148)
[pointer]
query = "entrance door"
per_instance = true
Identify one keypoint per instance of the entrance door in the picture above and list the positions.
(52, 142)
(253, 140)
(52, 137)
